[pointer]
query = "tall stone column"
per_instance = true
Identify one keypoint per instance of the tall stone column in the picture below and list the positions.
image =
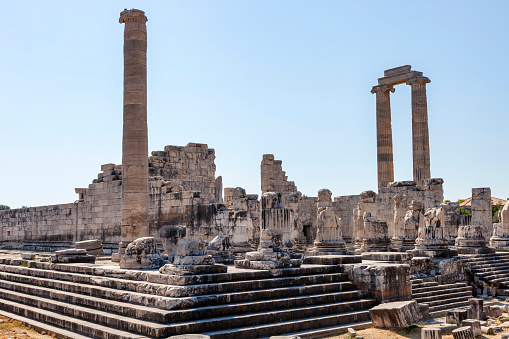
(384, 134)
(420, 135)
(135, 132)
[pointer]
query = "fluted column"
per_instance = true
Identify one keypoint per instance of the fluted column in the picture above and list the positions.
(384, 134)
(135, 131)
(420, 134)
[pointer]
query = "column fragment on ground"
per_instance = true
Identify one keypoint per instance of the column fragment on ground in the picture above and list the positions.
(420, 134)
(384, 134)
(135, 132)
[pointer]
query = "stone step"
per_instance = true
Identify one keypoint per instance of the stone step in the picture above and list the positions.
(265, 318)
(291, 326)
(94, 316)
(70, 324)
(43, 327)
(441, 310)
(113, 306)
(176, 291)
(153, 276)
(488, 268)
(169, 303)
(437, 288)
(488, 265)
(450, 300)
(425, 284)
(261, 306)
(440, 297)
(420, 296)
(329, 331)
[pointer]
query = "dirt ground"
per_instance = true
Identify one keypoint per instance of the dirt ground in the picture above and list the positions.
(13, 329)
(411, 333)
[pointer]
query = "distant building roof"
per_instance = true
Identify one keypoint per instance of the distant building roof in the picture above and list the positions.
(494, 201)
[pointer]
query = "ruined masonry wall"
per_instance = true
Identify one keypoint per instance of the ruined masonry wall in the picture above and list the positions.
(273, 178)
(187, 168)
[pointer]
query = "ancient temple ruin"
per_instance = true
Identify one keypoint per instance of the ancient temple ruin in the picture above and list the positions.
(156, 246)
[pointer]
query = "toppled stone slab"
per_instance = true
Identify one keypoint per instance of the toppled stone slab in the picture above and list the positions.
(395, 315)
(28, 255)
(142, 253)
(93, 247)
(72, 256)
(190, 336)
(333, 259)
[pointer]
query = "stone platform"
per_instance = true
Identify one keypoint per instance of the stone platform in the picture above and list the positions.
(101, 300)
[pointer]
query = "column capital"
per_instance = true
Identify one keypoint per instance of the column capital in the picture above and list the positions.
(382, 88)
(418, 80)
(132, 15)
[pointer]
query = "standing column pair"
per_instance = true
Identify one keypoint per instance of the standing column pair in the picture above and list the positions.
(420, 134)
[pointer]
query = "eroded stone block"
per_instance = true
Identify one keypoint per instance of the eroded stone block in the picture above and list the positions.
(395, 315)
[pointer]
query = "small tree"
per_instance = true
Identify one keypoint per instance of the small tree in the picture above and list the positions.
(4, 207)
(494, 212)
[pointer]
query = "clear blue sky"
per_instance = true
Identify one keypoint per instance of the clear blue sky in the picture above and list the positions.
(287, 77)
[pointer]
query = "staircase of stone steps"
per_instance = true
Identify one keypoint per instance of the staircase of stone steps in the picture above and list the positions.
(492, 269)
(440, 298)
(107, 302)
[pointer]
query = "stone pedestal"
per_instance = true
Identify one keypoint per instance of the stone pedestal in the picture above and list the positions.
(171, 235)
(329, 239)
(271, 253)
(375, 235)
(142, 253)
(471, 240)
(367, 204)
(500, 237)
(412, 222)
(221, 250)
(431, 241)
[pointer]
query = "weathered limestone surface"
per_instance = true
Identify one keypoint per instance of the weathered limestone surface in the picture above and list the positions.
(375, 235)
(274, 179)
(170, 236)
(450, 219)
(430, 193)
(188, 168)
(386, 282)
(135, 132)
(72, 256)
(365, 205)
(475, 324)
(395, 314)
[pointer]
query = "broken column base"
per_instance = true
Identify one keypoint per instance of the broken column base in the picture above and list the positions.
(141, 254)
(499, 244)
(475, 250)
(375, 245)
(267, 260)
(402, 244)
